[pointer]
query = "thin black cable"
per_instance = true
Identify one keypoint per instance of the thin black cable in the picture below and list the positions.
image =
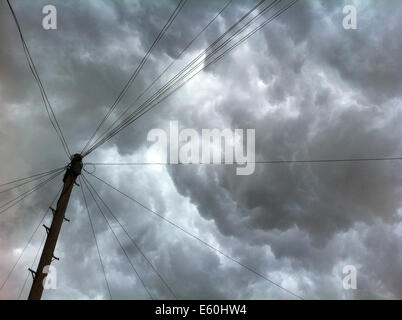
(242, 163)
(96, 241)
(27, 244)
(120, 244)
(45, 99)
(138, 69)
(163, 89)
(24, 193)
(142, 109)
(35, 175)
(27, 193)
(135, 116)
(26, 182)
(184, 50)
(185, 68)
(131, 238)
(167, 68)
(182, 75)
(199, 239)
(172, 82)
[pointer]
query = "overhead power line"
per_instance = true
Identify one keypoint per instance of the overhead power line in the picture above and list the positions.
(104, 137)
(197, 238)
(29, 181)
(22, 196)
(181, 77)
(33, 176)
(241, 163)
(138, 69)
(120, 244)
(96, 241)
(166, 69)
(153, 101)
(131, 238)
(48, 106)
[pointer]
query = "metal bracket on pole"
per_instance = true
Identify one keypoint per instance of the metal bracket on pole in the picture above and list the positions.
(33, 273)
(66, 219)
(53, 210)
(77, 184)
(47, 228)
(55, 258)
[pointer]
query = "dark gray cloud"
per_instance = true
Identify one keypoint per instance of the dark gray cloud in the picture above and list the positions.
(311, 90)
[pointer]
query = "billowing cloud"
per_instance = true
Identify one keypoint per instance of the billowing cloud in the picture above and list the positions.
(309, 88)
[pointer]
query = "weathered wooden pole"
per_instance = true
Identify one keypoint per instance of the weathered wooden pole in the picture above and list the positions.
(72, 172)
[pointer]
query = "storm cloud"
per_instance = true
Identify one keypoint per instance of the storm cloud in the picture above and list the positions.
(309, 88)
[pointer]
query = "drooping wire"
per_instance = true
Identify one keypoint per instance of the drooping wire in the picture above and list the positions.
(48, 106)
(137, 70)
(167, 68)
(28, 242)
(192, 66)
(237, 163)
(120, 244)
(150, 106)
(96, 241)
(102, 139)
(131, 238)
(29, 181)
(26, 194)
(199, 239)
(33, 176)
(175, 80)
(30, 190)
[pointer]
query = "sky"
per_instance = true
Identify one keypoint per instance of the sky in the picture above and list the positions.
(311, 90)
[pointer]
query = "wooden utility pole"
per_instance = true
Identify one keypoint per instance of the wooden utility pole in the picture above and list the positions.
(72, 172)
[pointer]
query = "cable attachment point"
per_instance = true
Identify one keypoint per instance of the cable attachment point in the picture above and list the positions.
(47, 228)
(55, 258)
(33, 273)
(75, 166)
(53, 210)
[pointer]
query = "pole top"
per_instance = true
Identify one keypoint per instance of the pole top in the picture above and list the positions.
(76, 164)
(76, 157)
